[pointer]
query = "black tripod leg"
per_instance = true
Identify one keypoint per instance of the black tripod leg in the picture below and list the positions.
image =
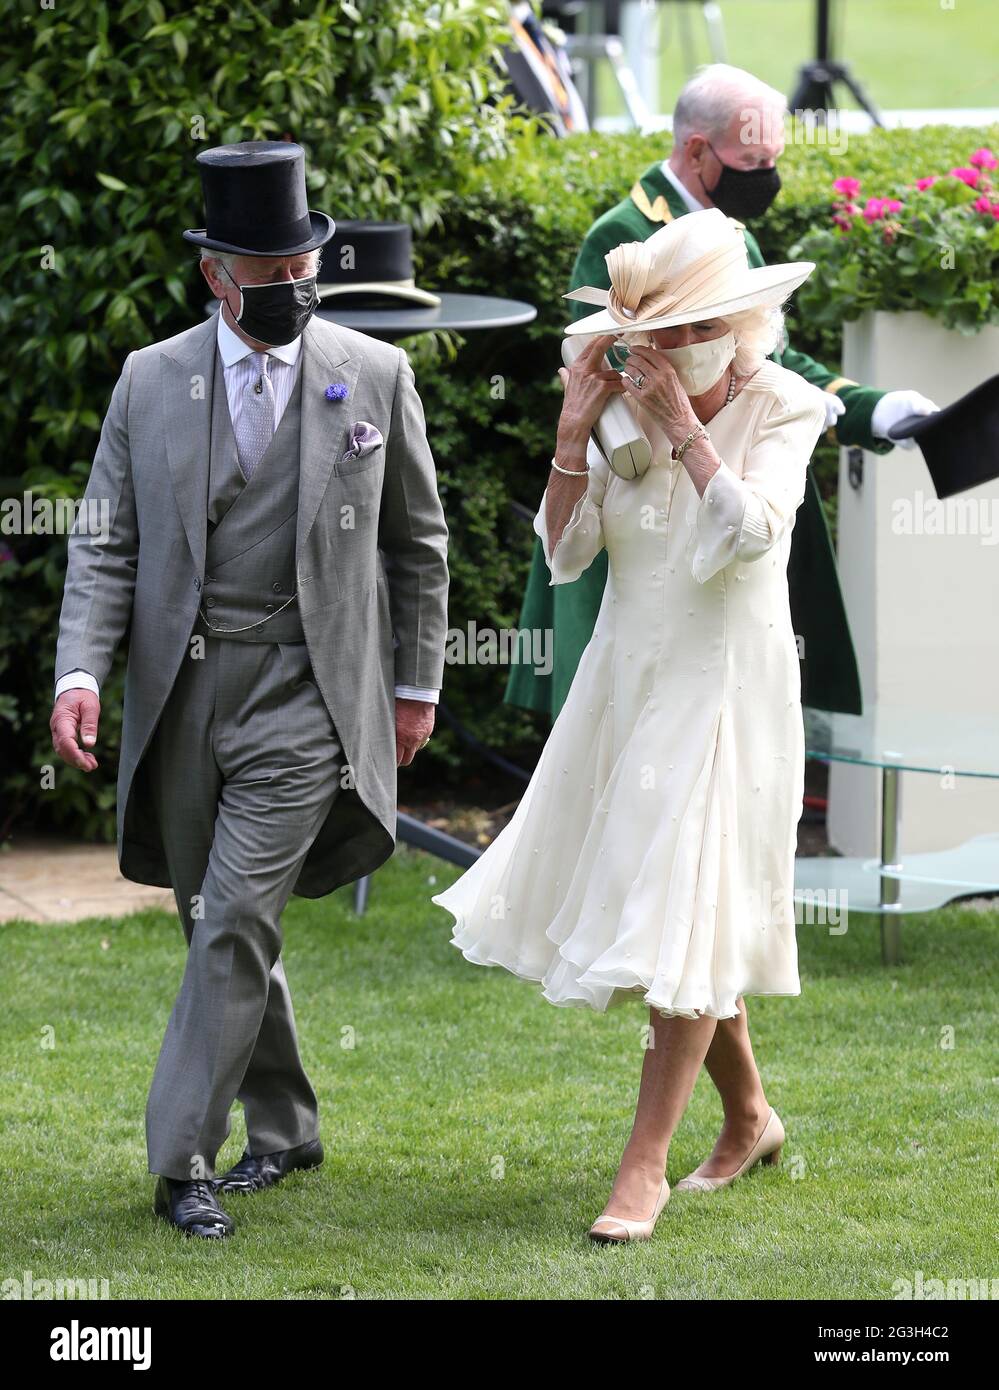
(860, 96)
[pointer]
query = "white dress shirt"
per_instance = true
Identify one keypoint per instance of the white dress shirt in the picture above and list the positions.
(692, 204)
(238, 371)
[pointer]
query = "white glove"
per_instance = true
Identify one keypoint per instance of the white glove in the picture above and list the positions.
(834, 408)
(895, 406)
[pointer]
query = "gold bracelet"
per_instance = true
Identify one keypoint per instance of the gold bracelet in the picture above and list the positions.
(700, 433)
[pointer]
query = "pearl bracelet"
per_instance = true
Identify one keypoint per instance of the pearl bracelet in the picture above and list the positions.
(572, 472)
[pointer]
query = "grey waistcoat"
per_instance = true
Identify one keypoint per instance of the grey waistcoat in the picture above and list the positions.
(250, 554)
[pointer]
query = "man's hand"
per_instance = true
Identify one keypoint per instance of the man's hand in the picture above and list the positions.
(414, 722)
(895, 406)
(74, 717)
(834, 408)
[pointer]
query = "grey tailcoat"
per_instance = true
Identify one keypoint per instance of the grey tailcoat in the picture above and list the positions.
(371, 561)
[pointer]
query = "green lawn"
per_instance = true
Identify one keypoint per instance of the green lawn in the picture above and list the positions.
(906, 53)
(473, 1130)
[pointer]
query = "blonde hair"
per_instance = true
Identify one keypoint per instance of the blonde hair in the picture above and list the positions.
(758, 332)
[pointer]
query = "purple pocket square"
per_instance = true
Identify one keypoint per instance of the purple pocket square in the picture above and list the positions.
(363, 439)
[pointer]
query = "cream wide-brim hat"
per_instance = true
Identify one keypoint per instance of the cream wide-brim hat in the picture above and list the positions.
(693, 268)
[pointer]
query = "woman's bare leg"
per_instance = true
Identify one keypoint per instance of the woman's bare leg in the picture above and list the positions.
(732, 1067)
(672, 1060)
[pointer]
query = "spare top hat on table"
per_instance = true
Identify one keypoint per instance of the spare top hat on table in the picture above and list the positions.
(369, 265)
(960, 443)
(256, 203)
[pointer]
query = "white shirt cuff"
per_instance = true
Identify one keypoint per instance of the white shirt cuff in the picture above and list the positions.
(76, 680)
(417, 692)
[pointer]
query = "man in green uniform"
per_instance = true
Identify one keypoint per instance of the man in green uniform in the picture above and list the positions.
(728, 135)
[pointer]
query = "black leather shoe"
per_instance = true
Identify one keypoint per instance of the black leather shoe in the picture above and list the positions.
(193, 1207)
(252, 1174)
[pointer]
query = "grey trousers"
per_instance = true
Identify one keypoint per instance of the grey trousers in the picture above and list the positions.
(244, 766)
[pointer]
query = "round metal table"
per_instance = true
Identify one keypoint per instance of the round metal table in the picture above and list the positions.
(459, 312)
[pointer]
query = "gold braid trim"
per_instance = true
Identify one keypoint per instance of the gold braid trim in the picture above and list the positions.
(657, 211)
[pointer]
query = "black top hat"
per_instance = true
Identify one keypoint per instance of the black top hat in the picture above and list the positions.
(960, 443)
(371, 263)
(255, 201)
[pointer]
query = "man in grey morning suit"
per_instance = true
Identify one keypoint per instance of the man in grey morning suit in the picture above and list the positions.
(278, 547)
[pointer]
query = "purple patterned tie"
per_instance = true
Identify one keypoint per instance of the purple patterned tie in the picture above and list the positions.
(255, 426)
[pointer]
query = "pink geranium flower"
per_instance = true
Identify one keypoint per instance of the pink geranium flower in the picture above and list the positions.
(876, 208)
(968, 176)
(848, 187)
(984, 159)
(982, 204)
(928, 182)
(844, 213)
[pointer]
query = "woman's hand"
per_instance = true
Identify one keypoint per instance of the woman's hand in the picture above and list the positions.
(588, 384)
(660, 393)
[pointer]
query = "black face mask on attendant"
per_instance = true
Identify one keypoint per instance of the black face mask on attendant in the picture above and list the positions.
(743, 193)
(276, 314)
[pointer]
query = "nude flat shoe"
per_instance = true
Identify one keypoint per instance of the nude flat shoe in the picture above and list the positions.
(766, 1150)
(619, 1229)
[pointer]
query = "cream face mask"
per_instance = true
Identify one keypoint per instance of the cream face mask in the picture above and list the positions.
(698, 366)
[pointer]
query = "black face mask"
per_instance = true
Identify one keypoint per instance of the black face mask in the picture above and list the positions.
(276, 314)
(744, 192)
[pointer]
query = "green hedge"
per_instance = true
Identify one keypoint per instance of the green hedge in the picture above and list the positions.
(104, 107)
(92, 90)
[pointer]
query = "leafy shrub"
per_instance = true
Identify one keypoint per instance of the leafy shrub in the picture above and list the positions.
(104, 109)
(931, 244)
(402, 114)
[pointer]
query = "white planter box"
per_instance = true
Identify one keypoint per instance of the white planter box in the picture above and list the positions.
(923, 607)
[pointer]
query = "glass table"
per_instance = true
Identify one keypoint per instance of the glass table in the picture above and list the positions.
(896, 741)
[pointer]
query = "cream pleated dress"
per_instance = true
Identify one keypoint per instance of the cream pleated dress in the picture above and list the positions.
(652, 854)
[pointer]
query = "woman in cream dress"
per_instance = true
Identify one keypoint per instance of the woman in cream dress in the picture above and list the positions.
(652, 855)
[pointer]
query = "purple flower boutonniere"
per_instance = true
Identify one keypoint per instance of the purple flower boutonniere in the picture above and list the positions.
(337, 391)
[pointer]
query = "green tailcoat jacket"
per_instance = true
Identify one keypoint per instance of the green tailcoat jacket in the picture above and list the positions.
(829, 675)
